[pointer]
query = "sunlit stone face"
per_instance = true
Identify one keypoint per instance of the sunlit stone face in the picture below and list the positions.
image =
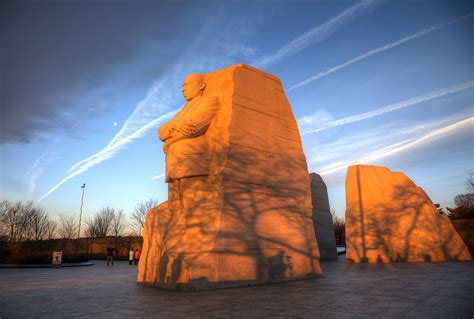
(389, 218)
(192, 86)
(231, 220)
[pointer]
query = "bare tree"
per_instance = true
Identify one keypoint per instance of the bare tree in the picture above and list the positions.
(67, 226)
(39, 223)
(470, 181)
(51, 231)
(118, 223)
(339, 226)
(5, 219)
(21, 216)
(465, 200)
(16, 220)
(140, 211)
(23, 221)
(101, 224)
(333, 215)
(91, 228)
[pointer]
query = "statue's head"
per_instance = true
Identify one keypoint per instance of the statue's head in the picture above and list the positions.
(193, 85)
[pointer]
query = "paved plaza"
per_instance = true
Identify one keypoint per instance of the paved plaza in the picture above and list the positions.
(421, 290)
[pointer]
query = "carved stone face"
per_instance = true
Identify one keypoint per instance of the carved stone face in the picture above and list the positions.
(193, 86)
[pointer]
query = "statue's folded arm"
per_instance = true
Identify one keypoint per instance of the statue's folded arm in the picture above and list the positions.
(204, 115)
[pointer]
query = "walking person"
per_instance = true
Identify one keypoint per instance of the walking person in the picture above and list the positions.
(110, 255)
(130, 256)
(136, 256)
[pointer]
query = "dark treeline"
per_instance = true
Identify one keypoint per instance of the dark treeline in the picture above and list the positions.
(27, 221)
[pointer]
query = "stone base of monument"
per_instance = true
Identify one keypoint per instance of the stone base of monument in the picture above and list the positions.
(248, 258)
(250, 220)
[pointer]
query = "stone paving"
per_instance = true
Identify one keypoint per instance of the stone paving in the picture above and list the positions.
(421, 290)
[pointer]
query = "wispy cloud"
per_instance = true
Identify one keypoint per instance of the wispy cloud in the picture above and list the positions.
(390, 108)
(163, 99)
(108, 152)
(36, 170)
(359, 143)
(147, 114)
(396, 148)
(370, 53)
(150, 111)
(50, 155)
(158, 176)
(317, 118)
(318, 33)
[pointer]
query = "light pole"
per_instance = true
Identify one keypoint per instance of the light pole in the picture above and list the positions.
(80, 215)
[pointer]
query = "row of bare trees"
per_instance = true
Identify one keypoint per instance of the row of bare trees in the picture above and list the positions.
(24, 221)
(107, 222)
(27, 221)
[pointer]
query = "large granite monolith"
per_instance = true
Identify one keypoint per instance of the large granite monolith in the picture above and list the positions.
(322, 218)
(239, 202)
(389, 218)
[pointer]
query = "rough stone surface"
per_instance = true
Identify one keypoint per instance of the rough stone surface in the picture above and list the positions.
(322, 219)
(465, 228)
(246, 218)
(389, 218)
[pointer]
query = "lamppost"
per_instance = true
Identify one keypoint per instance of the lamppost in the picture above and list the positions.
(80, 215)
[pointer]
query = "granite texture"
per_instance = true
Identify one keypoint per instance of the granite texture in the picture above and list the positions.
(389, 218)
(243, 214)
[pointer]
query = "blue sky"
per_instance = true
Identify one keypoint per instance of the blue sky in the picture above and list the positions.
(386, 83)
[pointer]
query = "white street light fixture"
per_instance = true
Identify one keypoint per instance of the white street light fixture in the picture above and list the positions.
(80, 215)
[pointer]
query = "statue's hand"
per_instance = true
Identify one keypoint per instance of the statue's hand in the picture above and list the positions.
(172, 129)
(186, 128)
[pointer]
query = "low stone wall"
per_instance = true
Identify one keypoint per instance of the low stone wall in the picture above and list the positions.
(465, 228)
(86, 248)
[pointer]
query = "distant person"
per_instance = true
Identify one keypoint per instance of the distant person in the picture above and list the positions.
(110, 255)
(136, 256)
(130, 256)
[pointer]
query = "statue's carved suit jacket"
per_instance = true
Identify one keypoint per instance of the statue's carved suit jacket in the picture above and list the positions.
(186, 156)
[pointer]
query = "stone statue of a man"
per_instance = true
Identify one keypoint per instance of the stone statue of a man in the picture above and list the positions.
(191, 214)
(185, 143)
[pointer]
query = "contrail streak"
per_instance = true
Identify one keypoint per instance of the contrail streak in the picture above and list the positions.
(36, 169)
(158, 176)
(147, 114)
(378, 50)
(152, 104)
(108, 152)
(34, 172)
(398, 147)
(318, 33)
(392, 107)
(158, 99)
